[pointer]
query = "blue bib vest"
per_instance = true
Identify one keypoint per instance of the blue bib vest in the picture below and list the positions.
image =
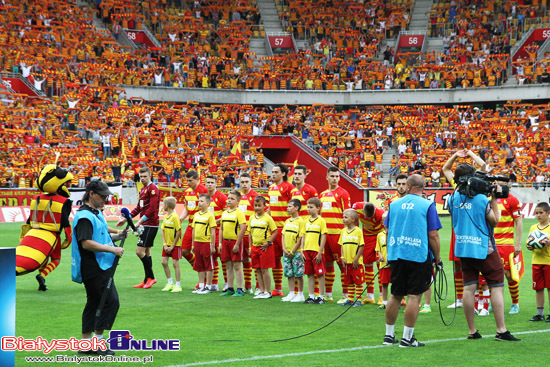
(470, 226)
(100, 235)
(408, 229)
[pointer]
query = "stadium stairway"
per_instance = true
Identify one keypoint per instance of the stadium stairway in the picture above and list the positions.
(270, 16)
(285, 149)
(123, 40)
(386, 164)
(419, 18)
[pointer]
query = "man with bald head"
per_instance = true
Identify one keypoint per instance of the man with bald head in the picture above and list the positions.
(412, 246)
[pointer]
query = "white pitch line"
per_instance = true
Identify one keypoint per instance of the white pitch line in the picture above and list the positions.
(256, 358)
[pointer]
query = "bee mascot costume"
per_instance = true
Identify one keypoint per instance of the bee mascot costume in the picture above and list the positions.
(49, 216)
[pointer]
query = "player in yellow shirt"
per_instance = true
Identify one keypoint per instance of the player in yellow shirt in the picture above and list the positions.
(204, 242)
(314, 240)
(384, 274)
(263, 231)
(293, 262)
(171, 244)
(352, 243)
(541, 260)
(232, 230)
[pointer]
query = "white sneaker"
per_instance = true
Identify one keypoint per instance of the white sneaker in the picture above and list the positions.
(259, 295)
(265, 295)
(483, 312)
(214, 288)
(299, 298)
(225, 286)
(205, 290)
(197, 290)
(456, 304)
(257, 292)
(289, 297)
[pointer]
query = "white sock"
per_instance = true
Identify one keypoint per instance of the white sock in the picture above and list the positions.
(390, 330)
(99, 337)
(178, 284)
(170, 281)
(329, 294)
(344, 295)
(201, 285)
(321, 296)
(408, 332)
(291, 293)
(385, 302)
(370, 295)
(300, 293)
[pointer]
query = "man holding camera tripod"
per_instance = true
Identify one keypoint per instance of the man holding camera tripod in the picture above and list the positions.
(474, 216)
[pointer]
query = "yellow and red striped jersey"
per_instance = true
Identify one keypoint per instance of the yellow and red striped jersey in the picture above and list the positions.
(191, 200)
(504, 231)
(279, 195)
(303, 195)
(333, 204)
(371, 226)
(387, 203)
(217, 204)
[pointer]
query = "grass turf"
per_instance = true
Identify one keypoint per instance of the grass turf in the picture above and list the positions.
(199, 320)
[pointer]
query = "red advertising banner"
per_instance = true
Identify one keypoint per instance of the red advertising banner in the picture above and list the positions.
(281, 42)
(17, 197)
(139, 37)
(17, 85)
(411, 41)
(19, 214)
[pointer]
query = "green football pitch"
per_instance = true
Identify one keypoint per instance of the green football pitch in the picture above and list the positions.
(200, 322)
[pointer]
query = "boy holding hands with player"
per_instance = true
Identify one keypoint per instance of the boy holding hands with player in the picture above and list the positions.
(314, 240)
(204, 238)
(352, 242)
(293, 262)
(232, 230)
(384, 274)
(541, 260)
(171, 244)
(263, 231)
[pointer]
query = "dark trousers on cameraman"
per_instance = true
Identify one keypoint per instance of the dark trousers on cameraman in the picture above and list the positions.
(94, 290)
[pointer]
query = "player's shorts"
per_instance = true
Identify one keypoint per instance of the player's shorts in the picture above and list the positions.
(187, 241)
(541, 276)
(409, 277)
(332, 249)
(293, 267)
(369, 252)
(354, 276)
(491, 268)
(278, 244)
(452, 256)
(504, 252)
(175, 254)
(262, 259)
(203, 258)
(310, 265)
(384, 276)
(147, 238)
(227, 251)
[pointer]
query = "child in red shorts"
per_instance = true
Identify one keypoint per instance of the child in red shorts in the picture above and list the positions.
(352, 242)
(204, 238)
(263, 231)
(541, 260)
(314, 240)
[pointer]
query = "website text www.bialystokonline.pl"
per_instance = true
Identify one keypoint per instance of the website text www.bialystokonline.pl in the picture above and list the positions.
(89, 359)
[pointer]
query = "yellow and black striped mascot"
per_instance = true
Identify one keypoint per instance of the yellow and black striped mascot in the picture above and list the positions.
(49, 216)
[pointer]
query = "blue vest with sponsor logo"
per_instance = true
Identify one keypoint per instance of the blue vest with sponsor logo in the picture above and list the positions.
(408, 229)
(471, 230)
(100, 235)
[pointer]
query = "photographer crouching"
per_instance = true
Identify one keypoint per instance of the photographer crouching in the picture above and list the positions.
(474, 216)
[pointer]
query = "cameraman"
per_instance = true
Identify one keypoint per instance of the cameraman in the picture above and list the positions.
(474, 217)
